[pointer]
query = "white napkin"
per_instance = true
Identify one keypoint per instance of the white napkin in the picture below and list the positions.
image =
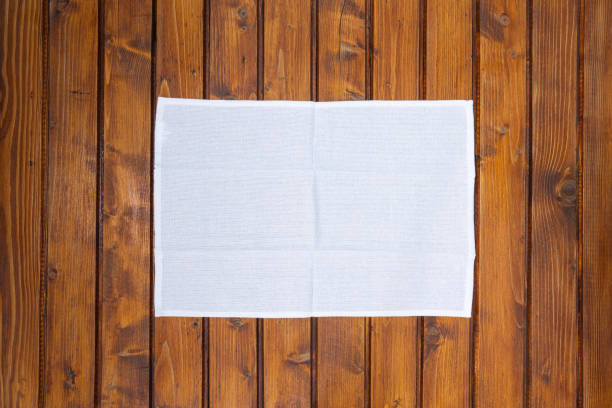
(296, 209)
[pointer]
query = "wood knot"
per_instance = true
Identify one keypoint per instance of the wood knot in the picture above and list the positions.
(242, 13)
(502, 130)
(51, 273)
(567, 193)
(237, 324)
(504, 19)
(355, 367)
(297, 359)
(433, 335)
(246, 373)
(70, 378)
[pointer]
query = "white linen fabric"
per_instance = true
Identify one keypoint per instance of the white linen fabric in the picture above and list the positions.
(297, 209)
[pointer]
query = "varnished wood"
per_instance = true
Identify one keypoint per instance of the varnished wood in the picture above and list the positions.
(597, 205)
(22, 164)
(341, 50)
(233, 75)
(396, 74)
(286, 342)
(126, 268)
(539, 338)
(233, 49)
(71, 204)
(553, 329)
(448, 73)
(341, 362)
(177, 347)
(341, 76)
(287, 39)
(503, 165)
(397, 49)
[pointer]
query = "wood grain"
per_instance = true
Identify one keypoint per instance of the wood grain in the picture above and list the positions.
(395, 359)
(286, 351)
(501, 322)
(286, 342)
(233, 75)
(597, 205)
(71, 204)
(233, 49)
(22, 163)
(341, 50)
(554, 218)
(397, 49)
(179, 70)
(396, 74)
(341, 362)
(341, 76)
(126, 267)
(448, 73)
(287, 49)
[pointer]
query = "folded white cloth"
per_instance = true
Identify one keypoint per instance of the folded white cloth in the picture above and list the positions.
(296, 209)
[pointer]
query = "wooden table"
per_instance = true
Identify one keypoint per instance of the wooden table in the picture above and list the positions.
(79, 80)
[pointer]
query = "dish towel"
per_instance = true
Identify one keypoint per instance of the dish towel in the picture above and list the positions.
(297, 209)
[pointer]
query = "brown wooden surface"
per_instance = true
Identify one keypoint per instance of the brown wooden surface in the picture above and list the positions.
(232, 74)
(448, 75)
(553, 327)
(124, 335)
(22, 164)
(501, 321)
(177, 343)
(78, 82)
(597, 205)
(71, 205)
(341, 74)
(286, 62)
(395, 342)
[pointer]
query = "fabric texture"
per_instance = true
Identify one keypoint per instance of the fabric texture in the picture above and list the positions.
(297, 209)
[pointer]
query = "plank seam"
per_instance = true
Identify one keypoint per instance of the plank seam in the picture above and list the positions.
(579, 232)
(153, 89)
(422, 95)
(99, 205)
(475, 320)
(205, 322)
(260, 77)
(528, 224)
(42, 323)
(314, 96)
(369, 51)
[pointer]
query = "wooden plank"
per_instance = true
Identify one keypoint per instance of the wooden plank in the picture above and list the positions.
(126, 270)
(341, 76)
(177, 373)
(448, 73)
(501, 322)
(233, 49)
(22, 163)
(287, 49)
(341, 48)
(286, 342)
(341, 362)
(286, 349)
(396, 74)
(596, 209)
(554, 218)
(179, 70)
(71, 205)
(397, 53)
(233, 75)
(395, 358)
